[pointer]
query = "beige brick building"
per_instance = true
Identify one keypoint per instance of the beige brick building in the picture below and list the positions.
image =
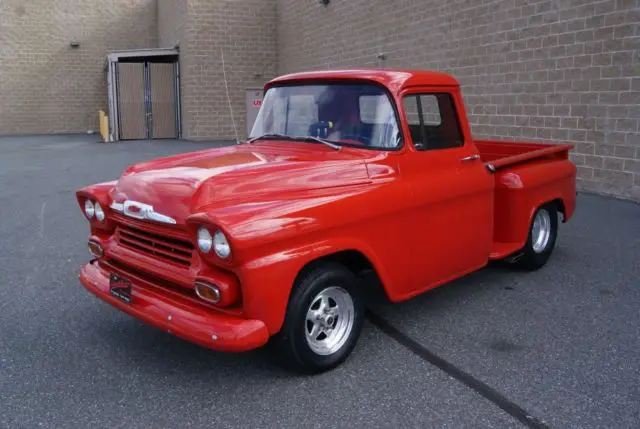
(243, 34)
(550, 70)
(45, 84)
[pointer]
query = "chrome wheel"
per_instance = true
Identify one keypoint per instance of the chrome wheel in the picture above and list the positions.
(541, 231)
(329, 320)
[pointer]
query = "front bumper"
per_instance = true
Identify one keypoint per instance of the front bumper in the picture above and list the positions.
(178, 316)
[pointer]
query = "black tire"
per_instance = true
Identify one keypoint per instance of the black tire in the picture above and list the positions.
(529, 258)
(293, 349)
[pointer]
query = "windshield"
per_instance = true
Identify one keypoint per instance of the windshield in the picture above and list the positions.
(345, 114)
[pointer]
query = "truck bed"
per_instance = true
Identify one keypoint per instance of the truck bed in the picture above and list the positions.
(498, 154)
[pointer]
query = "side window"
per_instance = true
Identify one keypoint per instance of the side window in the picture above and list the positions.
(433, 121)
(411, 110)
(430, 110)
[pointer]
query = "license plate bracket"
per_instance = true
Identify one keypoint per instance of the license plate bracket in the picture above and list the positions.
(120, 287)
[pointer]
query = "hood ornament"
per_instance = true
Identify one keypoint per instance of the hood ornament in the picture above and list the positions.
(141, 211)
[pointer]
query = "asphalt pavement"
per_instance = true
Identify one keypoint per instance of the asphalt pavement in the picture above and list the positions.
(555, 348)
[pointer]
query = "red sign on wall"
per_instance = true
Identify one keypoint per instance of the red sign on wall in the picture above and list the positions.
(257, 103)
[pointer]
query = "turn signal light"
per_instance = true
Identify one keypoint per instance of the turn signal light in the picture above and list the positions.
(95, 249)
(208, 292)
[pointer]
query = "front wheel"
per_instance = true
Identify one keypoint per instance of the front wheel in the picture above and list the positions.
(323, 321)
(541, 240)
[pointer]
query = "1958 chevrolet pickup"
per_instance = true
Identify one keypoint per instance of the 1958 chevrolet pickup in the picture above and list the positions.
(344, 171)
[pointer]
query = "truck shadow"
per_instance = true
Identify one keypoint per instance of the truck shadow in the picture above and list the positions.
(166, 354)
(480, 281)
(172, 357)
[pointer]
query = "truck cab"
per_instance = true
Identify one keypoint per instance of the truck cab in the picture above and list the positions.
(343, 171)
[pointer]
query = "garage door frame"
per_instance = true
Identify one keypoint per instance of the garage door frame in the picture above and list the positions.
(112, 89)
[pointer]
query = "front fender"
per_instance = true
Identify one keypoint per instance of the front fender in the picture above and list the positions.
(267, 280)
(99, 192)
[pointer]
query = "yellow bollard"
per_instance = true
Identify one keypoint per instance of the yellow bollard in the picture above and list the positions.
(104, 126)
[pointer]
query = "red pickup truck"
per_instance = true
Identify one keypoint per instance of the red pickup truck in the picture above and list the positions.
(344, 171)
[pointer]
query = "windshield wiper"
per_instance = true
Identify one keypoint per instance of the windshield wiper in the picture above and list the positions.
(270, 135)
(319, 140)
(303, 138)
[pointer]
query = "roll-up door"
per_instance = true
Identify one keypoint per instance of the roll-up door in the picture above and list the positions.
(132, 111)
(163, 100)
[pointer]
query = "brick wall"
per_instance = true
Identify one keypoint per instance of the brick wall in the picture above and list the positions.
(172, 21)
(173, 16)
(244, 33)
(45, 85)
(549, 70)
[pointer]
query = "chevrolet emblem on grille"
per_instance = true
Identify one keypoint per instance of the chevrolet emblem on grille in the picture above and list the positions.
(140, 210)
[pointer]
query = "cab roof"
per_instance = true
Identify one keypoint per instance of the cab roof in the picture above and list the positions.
(394, 79)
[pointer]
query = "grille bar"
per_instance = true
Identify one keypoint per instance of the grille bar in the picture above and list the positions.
(161, 247)
(153, 249)
(183, 245)
(170, 250)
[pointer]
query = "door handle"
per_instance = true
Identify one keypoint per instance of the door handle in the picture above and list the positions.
(470, 158)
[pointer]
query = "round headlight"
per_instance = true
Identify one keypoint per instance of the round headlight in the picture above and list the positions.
(99, 212)
(89, 210)
(204, 239)
(221, 245)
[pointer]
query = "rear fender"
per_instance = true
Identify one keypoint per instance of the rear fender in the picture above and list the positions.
(521, 190)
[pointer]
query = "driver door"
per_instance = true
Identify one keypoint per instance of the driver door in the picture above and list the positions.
(451, 211)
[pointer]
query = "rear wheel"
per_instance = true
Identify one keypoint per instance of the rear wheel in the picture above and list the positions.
(541, 240)
(323, 321)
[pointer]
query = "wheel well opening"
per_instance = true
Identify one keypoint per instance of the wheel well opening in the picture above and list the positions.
(560, 206)
(357, 263)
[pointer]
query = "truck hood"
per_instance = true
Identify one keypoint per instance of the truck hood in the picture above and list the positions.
(180, 185)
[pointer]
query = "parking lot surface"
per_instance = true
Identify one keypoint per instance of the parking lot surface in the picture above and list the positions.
(497, 349)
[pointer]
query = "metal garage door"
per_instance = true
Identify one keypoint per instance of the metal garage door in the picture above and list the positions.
(163, 100)
(147, 100)
(131, 101)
